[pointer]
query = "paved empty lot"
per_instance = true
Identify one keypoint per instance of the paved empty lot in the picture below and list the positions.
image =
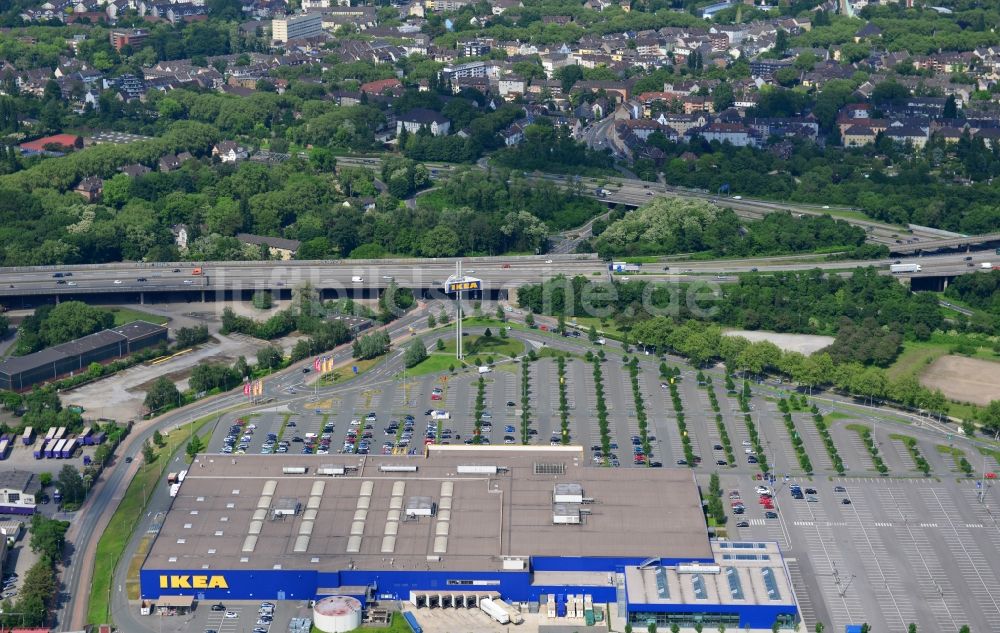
(902, 551)
(968, 379)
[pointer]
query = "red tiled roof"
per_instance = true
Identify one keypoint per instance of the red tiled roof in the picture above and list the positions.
(66, 140)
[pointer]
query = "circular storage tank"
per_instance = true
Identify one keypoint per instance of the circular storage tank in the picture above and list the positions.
(337, 614)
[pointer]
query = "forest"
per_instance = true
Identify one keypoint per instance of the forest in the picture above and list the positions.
(667, 226)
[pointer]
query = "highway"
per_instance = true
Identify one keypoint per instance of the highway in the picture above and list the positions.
(355, 275)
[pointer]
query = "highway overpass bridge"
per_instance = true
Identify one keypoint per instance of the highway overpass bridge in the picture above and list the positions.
(26, 287)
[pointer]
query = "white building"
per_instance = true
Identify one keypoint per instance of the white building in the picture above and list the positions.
(18, 489)
(296, 26)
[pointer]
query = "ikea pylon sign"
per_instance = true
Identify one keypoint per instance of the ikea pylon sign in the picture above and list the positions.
(193, 582)
(463, 284)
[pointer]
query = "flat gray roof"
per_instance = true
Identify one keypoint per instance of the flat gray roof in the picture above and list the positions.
(224, 515)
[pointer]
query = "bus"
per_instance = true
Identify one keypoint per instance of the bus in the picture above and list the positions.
(68, 449)
(51, 434)
(60, 432)
(28, 438)
(4, 448)
(85, 436)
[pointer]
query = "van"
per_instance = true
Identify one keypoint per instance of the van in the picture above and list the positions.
(356, 279)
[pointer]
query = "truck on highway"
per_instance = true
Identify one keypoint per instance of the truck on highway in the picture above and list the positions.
(986, 265)
(624, 267)
(904, 268)
(171, 478)
(494, 610)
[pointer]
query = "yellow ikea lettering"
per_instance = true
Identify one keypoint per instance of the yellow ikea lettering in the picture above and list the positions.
(193, 582)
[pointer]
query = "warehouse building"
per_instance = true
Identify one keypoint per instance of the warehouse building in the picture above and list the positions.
(529, 524)
(18, 491)
(18, 373)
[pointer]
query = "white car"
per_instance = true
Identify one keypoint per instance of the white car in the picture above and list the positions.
(118, 282)
(746, 443)
(232, 615)
(763, 490)
(748, 451)
(548, 261)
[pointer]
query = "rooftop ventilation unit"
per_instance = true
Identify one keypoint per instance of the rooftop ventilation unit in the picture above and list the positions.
(565, 514)
(473, 469)
(419, 507)
(397, 468)
(567, 493)
(286, 506)
(695, 568)
(330, 470)
(294, 470)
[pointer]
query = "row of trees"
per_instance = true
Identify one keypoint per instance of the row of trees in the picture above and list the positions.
(39, 590)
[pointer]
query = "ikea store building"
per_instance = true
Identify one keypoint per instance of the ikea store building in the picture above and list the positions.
(457, 524)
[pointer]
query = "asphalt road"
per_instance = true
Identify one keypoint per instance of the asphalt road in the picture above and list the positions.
(498, 272)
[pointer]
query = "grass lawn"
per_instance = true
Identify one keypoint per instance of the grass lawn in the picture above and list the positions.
(858, 428)
(127, 315)
(609, 330)
(435, 363)
(916, 356)
(119, 529)
(478, 345)
(343, 373)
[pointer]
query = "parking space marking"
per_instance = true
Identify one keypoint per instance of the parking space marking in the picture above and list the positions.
(806, 609)
(923, 561)
(968, 559)
(843, 605)
(884, 577)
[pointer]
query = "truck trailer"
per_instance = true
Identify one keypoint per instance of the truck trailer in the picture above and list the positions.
(904, 268)
(494, 610)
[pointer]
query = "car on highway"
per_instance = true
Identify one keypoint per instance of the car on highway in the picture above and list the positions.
(548, 261)
(118, 282)
(188, 282)
(70, 283)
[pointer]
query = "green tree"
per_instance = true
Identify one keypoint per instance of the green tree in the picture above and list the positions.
(148, 454)
(501, 316)
(431, 321)
(912, 628)
(439, 345)
(781, 42)
(950, 108)
(70, 484)
(529, 319)
(161, 394)
(194, 446)
(415, 353)
(444, 318)
(38, 593)
(262, 300)
(269, 357)
(48, 536)
(371, 345)
(488, 333)
(158, 438)
(819, 627)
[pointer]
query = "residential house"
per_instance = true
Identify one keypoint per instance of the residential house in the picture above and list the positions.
(733, 133)
(418, 118)
(511, 86)
(857, 135)
(135, 170)
(90, 188)
(279, 247)
(229, 152)
(169, 162)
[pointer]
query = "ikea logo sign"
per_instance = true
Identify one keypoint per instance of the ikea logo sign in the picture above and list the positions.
(193, 582)
(463, 285)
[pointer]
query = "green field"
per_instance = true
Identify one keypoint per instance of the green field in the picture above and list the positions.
(127, 315)
(478, 345)
(119, 530)
(435, 363)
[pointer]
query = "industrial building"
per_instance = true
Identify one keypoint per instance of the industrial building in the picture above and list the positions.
(18, 490)
(294, 27)
(18, 373)
(530, 525)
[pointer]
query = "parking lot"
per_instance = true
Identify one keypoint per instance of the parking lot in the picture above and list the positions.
(203, 618)
(887, 551)
(906, 548)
